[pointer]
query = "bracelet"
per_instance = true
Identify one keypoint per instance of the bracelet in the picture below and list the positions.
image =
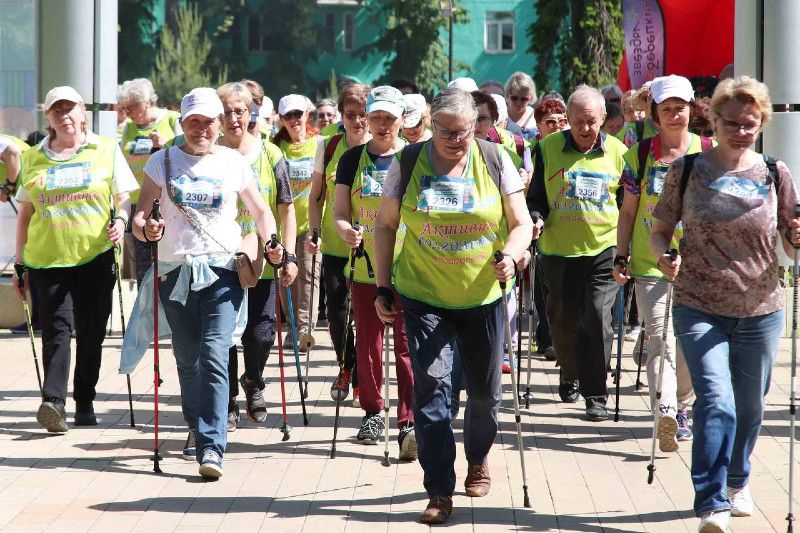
(385, 293)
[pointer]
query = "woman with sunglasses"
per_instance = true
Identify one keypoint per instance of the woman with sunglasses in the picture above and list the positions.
(736, 206)
(520, 95)
(299, 142)
(335, 251)
(448, 282)
(271, 174)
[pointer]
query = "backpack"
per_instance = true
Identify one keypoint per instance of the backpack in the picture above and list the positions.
(644, 149)
(519, 143)
(688, 165)
(330, 149)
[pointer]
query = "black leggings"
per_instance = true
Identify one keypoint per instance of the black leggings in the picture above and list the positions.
(336, 297)
(258, 336)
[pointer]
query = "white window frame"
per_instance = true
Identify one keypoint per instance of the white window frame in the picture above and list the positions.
(491, 20)
(351, 17)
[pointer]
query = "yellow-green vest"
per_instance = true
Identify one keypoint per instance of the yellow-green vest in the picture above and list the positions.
(22, 145)
(300, 159)
(332, 243)
(72, 205)
(581, 193)
(136, 145)
(628, 132)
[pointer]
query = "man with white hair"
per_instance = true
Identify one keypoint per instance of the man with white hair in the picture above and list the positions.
(573, 202)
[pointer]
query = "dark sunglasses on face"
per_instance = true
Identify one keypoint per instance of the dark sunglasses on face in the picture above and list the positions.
(519, 98)
(292, 115)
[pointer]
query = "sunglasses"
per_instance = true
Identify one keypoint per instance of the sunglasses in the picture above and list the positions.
(519, 98)
(292, 115)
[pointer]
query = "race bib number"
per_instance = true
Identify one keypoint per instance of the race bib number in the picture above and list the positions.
(300, 170)
(372, 182)
(741, 188)
(444, 193)
(588, 188)
(199, 193)
(657, 176)
(142, 146)
(68, 176)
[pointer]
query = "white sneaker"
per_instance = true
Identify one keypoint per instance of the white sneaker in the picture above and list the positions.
(741, 501)
(633, 334)
(714, 522)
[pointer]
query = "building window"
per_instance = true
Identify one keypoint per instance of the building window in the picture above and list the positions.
(348, 43)
(499, 32)
(329, 31)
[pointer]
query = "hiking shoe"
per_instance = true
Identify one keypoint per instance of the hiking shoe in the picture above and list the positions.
(714, 522)
(84, 414)
(340, 388)
(211, 465)
(741, 501)
(408, 443)
(256, 406)
(665, 431)
(371, 429)
(22, 329)
(550, 353)
(633, 334)
(438, 510)
(478, 482)
(596, 410)
(52, 415)
(568, 391)
(684, 431)
(189, 448)
(356, 398)
(233, 415)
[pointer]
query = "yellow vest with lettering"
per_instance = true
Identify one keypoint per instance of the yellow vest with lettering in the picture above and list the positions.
(300, 159)
(136, 144)
(332, 243)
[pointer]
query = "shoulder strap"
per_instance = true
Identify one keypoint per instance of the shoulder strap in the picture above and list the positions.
(333, 142)
(688, 164)
(639, 128)
(519, 143)
(408, 158)
(706, 144)
(493, 135)
(643, 152)
(492, 157)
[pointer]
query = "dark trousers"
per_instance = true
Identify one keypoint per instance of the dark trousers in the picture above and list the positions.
(258, 337)
(580, 296)
(543, 339)
(336, 298)
(83, 292)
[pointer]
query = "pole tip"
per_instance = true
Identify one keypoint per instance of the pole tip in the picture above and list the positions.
(526, 501)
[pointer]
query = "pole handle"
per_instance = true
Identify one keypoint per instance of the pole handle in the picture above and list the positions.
(498, 256)
(315, 235)
(155, 214)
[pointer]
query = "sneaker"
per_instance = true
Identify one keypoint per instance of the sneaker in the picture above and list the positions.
(714, 522)
(596, 410)
(478, 483)
(633, 334)
(568, 391)
(84, 414)
(211, 465)
(356, 398)
(371, 429)
(189, 449)
(52, 415)
(256, 406)
(550, 353)
(506, 364)
(408, 443)
(665, 431)
(741, 501)
(233, 415)
(22, 329)
(340, 389)
(438, 510)
(684, 431)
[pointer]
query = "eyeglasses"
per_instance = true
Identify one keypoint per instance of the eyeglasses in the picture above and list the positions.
(519, 98)
(352, 117)
(483, 118)
(383, 120)
(451, 135)
(553, 122)
(237, 113)
(292, 115)
(732, 125)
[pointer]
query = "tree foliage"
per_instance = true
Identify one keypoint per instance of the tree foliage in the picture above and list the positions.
(576, 41)
(136, 47)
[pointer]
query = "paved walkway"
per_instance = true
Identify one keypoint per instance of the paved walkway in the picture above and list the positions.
(582, 476)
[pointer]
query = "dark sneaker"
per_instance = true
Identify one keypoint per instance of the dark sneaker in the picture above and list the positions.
(478, 482)
(684, 432)
(233, 415)
(438, 510)
(596, 410)
(408, 443)
(568, 391)
(341, 387)
(256, 405)
(211, 465)
(52, 415)
(371, 429)
(22, 329)
(190, 449)
(550, 353)
(84, 414)
(666, 431)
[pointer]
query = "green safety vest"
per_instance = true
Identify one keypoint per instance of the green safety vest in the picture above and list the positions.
(72, 205)
(332, 243)
(136, 145)
(300, 159)
(581, 192)
(264, 175)
(332, 129)
(22, 145)
(629, 136)
(453, 227)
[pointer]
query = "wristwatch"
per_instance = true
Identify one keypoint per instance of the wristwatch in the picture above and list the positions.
(290, 258)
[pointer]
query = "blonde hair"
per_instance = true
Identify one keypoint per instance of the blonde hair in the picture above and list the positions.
(628, 96)
(745, 90)
(84, 127)
(519, 82)
(256, 90)
(237, 89)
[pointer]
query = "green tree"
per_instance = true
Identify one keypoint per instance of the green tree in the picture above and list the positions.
(135, 48)
(576, 41)
(182, 60)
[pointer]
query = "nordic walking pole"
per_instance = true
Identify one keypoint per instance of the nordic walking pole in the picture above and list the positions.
(293, 328)
(155, 214)
(498, 256)
(309, 338)
(793, 387)
(348, 310)
(651, 468)
(286, 429)
(386, 332)
(520, 310)
(118, 248)
(642, 337)
(20, 270)
(531, 329)
(620, 338)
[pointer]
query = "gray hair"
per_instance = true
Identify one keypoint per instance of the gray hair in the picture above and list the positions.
(122, 93)
(519, 82)
(139, 90)
(585, 94)
(611, 92)
(239, 89)
(454, 101)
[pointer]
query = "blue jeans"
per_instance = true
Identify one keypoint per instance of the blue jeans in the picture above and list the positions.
(433, 334)
(730, 363)
(201, 337)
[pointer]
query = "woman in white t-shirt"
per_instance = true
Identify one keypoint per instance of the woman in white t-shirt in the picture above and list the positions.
(199, 185)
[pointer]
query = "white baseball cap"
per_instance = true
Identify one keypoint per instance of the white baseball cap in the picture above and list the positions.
(502, 107)
(201, 101)
(386, 98)
(465, 84)
(65, 92)
(267, 107)
(671, 86)
(292, 102)
(415, 106)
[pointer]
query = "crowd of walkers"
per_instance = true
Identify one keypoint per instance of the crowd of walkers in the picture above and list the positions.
(428, 227)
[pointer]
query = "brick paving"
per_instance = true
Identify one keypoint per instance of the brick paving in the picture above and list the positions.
(583, 476)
